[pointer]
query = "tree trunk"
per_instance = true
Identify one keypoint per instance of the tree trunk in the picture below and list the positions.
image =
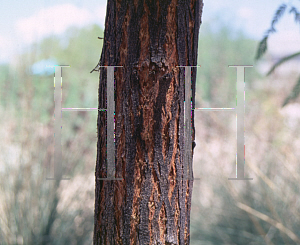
(152, 204)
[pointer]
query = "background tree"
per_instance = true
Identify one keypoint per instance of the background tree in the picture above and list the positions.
(150, 39)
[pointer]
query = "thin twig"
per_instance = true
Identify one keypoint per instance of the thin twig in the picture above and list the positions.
(271, 221)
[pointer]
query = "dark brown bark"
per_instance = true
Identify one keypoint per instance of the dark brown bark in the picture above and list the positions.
(152, 204)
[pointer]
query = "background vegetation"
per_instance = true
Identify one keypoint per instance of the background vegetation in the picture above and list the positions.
(264, 210)
(34, 210)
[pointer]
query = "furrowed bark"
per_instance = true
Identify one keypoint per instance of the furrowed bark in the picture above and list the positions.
(152, 204)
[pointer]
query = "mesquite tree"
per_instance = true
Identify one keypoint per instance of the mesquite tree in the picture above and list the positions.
(150, 203)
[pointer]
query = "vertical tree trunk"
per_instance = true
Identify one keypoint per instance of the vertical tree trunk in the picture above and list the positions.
(152, 204)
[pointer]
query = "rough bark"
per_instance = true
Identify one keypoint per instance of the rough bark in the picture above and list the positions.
(151, 205)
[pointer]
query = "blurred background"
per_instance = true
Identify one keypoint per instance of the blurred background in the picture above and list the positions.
(265, 210)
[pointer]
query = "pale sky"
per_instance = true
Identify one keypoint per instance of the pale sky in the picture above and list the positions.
(28, 21)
